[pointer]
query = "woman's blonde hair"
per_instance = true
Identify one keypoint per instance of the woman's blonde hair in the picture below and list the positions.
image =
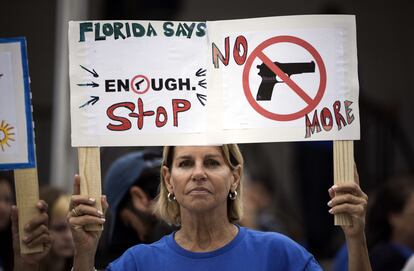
(169, 211)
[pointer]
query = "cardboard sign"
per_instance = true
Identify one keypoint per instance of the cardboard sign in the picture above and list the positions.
(138, 82)
(288, 78)
(17, 148)
(291, 78)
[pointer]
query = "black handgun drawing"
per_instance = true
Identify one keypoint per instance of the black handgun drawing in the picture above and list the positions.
(269, 77)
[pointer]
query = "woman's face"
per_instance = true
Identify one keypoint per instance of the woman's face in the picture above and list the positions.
(5, 204)
(63, 245)
(200, 178)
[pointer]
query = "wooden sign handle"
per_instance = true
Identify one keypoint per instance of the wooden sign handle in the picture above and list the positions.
(27, 195)
(90, 178)
(343, 152)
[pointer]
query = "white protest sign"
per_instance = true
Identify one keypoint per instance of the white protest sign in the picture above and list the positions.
(291, 78)
(17, 148)
(137, 82)
(288, 78)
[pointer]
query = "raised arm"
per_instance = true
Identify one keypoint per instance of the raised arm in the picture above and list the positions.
(83, 212)
(350, 199)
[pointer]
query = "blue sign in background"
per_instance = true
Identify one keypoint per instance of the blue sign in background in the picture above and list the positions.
(31, 159)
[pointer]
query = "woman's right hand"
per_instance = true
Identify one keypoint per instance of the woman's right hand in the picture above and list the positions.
(82, 211)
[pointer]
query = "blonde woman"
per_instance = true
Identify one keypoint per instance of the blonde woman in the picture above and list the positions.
(200, 191)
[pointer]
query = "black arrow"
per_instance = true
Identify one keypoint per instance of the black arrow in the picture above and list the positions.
(93, 72)
(202, 83)
(202, 98)
(93, 84)
(91, 101)
(201, 72)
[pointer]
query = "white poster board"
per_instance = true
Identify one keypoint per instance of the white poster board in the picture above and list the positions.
(137, 82)
(291, 78)
(17, 148)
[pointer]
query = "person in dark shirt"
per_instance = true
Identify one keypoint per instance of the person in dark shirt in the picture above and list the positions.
(131, 185)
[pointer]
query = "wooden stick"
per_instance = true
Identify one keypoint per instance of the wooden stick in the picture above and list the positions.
(343, 171)
(27, 196)
(90, 178)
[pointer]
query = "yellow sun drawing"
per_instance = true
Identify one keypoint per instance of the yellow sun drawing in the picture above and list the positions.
(6, 134)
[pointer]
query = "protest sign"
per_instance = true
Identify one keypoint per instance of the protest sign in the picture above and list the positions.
(291, 78)
(17, 148)
(137, 82)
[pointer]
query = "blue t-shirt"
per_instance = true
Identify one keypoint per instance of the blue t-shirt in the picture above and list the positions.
(249, 250)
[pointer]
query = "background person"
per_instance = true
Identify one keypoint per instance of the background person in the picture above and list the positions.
(130, 185)
(60, 257)
(200, 191)
(390, 224)
(259, 210)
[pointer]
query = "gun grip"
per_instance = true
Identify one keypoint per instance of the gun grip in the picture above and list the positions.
(265, 91)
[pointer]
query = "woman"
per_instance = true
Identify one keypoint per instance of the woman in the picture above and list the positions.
(200, 191)
(60, 257)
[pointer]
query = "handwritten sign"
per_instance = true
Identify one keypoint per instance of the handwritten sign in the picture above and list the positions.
(288, 78)
(137, 82)
(291, 78)
(17, 148)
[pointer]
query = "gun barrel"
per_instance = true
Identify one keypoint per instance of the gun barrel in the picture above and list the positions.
(297, 68)
(288, 68)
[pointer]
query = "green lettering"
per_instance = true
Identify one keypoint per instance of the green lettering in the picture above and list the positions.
(168, 32)
(201, 29)
(180, 31)
(138, 30)
(117, 31)
(151, 31)
(190, 29)
(128, 30)
(107, 29)
(97, 36)
(84, 27)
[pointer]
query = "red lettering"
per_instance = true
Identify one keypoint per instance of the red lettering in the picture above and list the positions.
(326, 119)
(141, 114)
(349, 117)
(338, 117)
(326, 115)
(310, 127)
(218, 55)
(125, 123)
(179, 105)
(240, 42)
(161, 111)
(161, 114)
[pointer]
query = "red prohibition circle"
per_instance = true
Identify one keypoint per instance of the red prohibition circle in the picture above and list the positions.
(133, 86)
(259, 51)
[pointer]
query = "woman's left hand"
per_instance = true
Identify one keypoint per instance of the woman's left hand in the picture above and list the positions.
(349, 199)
